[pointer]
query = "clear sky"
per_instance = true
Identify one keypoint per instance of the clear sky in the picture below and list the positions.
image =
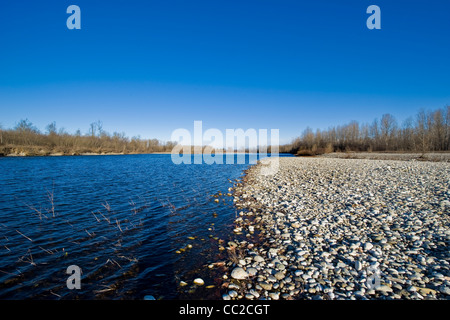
(149, 67)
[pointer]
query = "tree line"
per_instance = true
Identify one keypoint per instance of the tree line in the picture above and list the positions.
(425, 132)
(26, 138)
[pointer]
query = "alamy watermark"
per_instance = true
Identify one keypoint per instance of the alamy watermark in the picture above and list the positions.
(74, 20)
(373, 278)
(235, 146)
(74, 281)
(374, 20)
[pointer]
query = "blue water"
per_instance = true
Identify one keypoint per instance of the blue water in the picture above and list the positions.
(122, 219)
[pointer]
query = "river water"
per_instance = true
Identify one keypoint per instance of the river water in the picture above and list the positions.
(135, 225)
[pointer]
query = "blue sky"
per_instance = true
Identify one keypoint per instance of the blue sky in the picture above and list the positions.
(149, 67)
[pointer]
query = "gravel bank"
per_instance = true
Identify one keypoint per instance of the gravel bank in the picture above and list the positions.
(324, 228)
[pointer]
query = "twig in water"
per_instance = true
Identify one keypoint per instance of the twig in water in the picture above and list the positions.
(46, 250)
(24, 235)
(107, 206)
(129, 259)
(118, 224)
(68, 222)
(12, 274)
(113, 261)
(105, 218)
(50, 198)
(29, 260)
(108, 288)
(39, 212)
(95, 216)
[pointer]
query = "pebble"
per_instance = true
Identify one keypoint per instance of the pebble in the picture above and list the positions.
(252, 271)
(343, 229)
(239, 274)
(265, 285)
(279, 275)
(274, 295)
(254, 293)
(249, 296)
(412, 289)
(280, 266)
(258, 259)
(445, 290)
(233, 286)
(199, 282)
(384, 288)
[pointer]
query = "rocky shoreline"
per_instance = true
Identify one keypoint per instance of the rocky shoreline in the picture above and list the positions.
(324, 228)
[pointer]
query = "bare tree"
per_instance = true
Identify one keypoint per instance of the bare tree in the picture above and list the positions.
(437, 130)
(422, 131)
(447, 126)
(388, 126)
(51, 128)
(406, 135)
(374, 134)
(430, 130)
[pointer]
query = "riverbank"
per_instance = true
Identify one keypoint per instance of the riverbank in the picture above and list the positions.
(403, 156)
(61, 154)
(42, 153)
(328, 228)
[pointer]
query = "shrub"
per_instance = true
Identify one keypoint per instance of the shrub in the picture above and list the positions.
(305, 153)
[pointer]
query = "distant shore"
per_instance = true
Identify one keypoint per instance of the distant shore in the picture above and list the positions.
(62, 154)
(443, 156)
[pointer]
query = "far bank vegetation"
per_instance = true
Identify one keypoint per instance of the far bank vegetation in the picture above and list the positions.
(428, 131)
(26, 139)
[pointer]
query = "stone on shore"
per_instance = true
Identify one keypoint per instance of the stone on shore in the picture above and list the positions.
(199, 282)
(239, 274)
